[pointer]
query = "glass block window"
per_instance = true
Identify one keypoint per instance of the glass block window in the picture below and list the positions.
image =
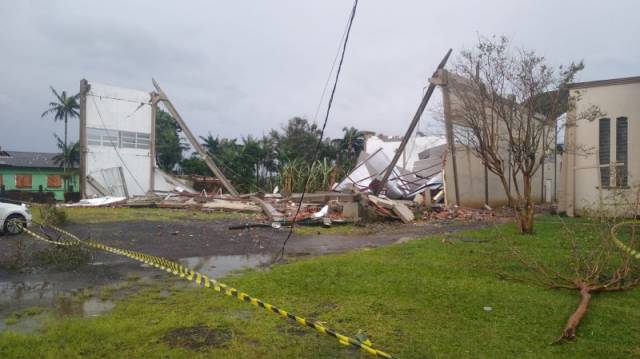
(120, 139)
(604, 151)
(622, 146)
(102, 137)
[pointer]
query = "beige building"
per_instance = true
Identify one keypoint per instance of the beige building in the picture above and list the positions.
(602, 148)
(467, 181)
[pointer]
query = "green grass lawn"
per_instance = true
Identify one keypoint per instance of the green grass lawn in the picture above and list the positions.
(419, 299)
(119, 214)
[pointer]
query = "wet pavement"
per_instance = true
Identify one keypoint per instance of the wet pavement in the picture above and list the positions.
(205, 246)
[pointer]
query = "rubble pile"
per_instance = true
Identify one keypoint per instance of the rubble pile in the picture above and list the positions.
(317, 208)
(455, 212)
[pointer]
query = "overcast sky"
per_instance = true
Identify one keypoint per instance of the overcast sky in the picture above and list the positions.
(234, 68)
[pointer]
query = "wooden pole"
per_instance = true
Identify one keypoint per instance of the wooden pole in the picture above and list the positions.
(207, 159)
(84, 89)
(412, 126)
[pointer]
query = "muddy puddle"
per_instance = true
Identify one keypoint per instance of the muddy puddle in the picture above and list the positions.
(219, 266)
(78, 293)
(25, 305)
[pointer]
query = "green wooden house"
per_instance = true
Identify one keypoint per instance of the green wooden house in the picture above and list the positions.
(27, 171)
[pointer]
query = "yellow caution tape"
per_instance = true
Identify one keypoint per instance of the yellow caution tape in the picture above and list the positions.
(625, 248)
(201, 279)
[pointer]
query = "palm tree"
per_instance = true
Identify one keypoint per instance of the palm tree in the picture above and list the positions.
(68, 157)
(210, 144)
(352, 142)
(63, 108)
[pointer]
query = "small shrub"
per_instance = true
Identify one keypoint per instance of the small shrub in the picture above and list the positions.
(53, 215)
(64, 257)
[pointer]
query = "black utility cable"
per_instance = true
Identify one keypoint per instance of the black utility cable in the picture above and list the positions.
(326, 118)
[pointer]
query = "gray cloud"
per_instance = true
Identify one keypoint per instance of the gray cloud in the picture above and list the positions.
(238, 68)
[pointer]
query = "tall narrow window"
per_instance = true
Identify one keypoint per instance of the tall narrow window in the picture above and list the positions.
(604, 150)
(621, 151)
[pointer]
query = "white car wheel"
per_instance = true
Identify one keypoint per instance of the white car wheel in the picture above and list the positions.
(14, 224)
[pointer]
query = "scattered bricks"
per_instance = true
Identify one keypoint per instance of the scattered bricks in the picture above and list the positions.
(455, 212)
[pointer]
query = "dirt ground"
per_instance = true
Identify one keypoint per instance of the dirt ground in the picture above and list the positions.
(206, 246)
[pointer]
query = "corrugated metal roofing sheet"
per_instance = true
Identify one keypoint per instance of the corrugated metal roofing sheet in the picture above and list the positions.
(28, 159)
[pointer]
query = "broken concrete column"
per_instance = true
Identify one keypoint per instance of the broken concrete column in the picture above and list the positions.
(403, 212)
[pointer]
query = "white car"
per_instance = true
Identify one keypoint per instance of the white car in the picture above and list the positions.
(13, 217)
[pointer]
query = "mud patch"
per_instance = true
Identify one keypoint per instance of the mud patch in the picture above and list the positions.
(198, 337)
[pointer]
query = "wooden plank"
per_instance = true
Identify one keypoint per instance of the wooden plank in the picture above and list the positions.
(325, 197)
(231, 205)
(382, 202)
(273, 214)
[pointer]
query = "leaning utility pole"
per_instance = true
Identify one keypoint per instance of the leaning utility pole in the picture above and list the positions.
(412, 127)
(207, 159)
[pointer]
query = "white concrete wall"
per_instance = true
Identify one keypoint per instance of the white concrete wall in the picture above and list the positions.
(581, 175)
(119, 109)
(460, 96)
(471, 182)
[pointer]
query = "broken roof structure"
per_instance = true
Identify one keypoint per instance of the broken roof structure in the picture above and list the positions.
(440, 164)
(420, 167)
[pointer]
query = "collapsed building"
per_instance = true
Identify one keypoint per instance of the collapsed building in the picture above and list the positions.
(117, 137)
(419, 170)
(442, 168)
(117, 142)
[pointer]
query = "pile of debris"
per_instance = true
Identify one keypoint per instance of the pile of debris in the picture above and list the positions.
(455, 212)
(197, 201)
(318, 207)
(392, 208)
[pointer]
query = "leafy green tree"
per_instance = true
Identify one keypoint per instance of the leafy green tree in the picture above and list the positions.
(230, 156)
(63, 108)
(282, 157)
(169, 145)
(297, 140)
(195, 165)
